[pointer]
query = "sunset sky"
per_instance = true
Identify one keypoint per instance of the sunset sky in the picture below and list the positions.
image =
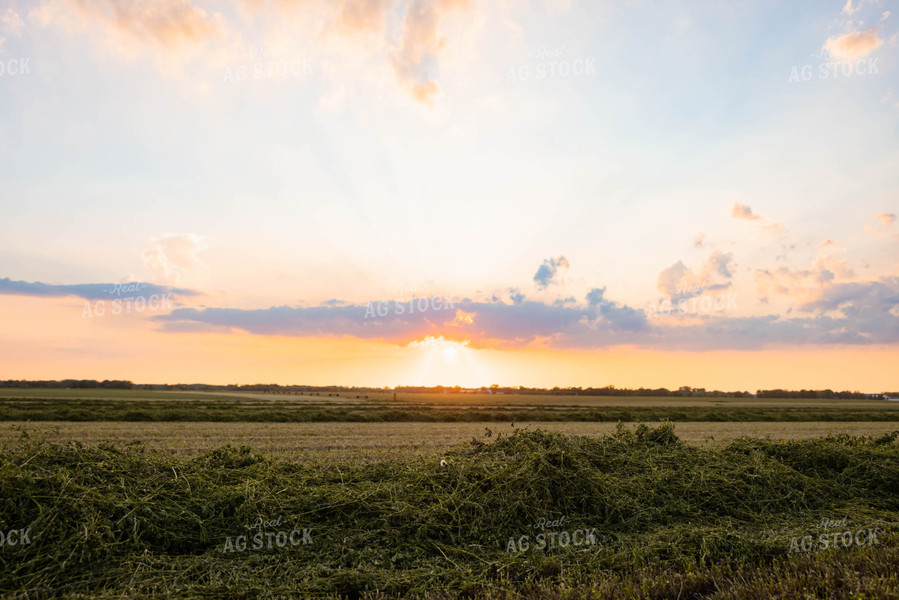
(268, 180)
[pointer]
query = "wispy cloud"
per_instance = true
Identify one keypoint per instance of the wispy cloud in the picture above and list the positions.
(745, 212)
(88, 291)
(883, 230)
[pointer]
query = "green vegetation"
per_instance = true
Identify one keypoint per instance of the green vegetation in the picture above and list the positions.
(317, 410)
(668, 520)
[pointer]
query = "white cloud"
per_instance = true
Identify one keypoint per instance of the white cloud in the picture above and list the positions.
(173, 258)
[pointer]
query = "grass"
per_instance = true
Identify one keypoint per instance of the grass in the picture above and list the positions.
(670, 519)
(281, 409)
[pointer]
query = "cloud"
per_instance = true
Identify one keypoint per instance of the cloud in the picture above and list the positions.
(886, 220)
(803, 285)
(718, 264)
(680, 281)
(853, 45)
(546, 273)
(88, 291)
(413, 52)
(699, 240)
(496, 322)
(743, 211)
(408, 36)
(617, 317)
(173, 258)
(858, 299)
(850, 313)
(462, 319)
(485, 323)
(356, 16)
(848, 9)
(415, 59)
(166, 23)
(11, 21)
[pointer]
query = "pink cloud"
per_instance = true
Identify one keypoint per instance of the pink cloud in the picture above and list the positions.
(853, 45)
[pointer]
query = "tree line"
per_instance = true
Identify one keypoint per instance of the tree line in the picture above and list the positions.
(609, 390)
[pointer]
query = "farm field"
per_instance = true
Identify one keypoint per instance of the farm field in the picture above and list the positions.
(448, 399)
(137, 406)
(632, 513)
(379, 441)
(187, 495)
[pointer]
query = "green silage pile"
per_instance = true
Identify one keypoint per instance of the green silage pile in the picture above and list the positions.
(132, 522)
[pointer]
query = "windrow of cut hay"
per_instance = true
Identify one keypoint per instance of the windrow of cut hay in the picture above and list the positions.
(327, 411)
(636, 513)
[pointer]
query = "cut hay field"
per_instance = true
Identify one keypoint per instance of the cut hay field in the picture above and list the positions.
(259, 496)
(379, 441)
(635, 513)
(141, 406)
(440, 399)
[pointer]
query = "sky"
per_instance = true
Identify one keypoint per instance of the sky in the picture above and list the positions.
(451, 192)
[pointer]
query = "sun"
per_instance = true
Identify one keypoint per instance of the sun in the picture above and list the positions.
(448, 362)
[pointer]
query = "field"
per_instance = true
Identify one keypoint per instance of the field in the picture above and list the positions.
(116, 506)
(382, 441)
(143, 406)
